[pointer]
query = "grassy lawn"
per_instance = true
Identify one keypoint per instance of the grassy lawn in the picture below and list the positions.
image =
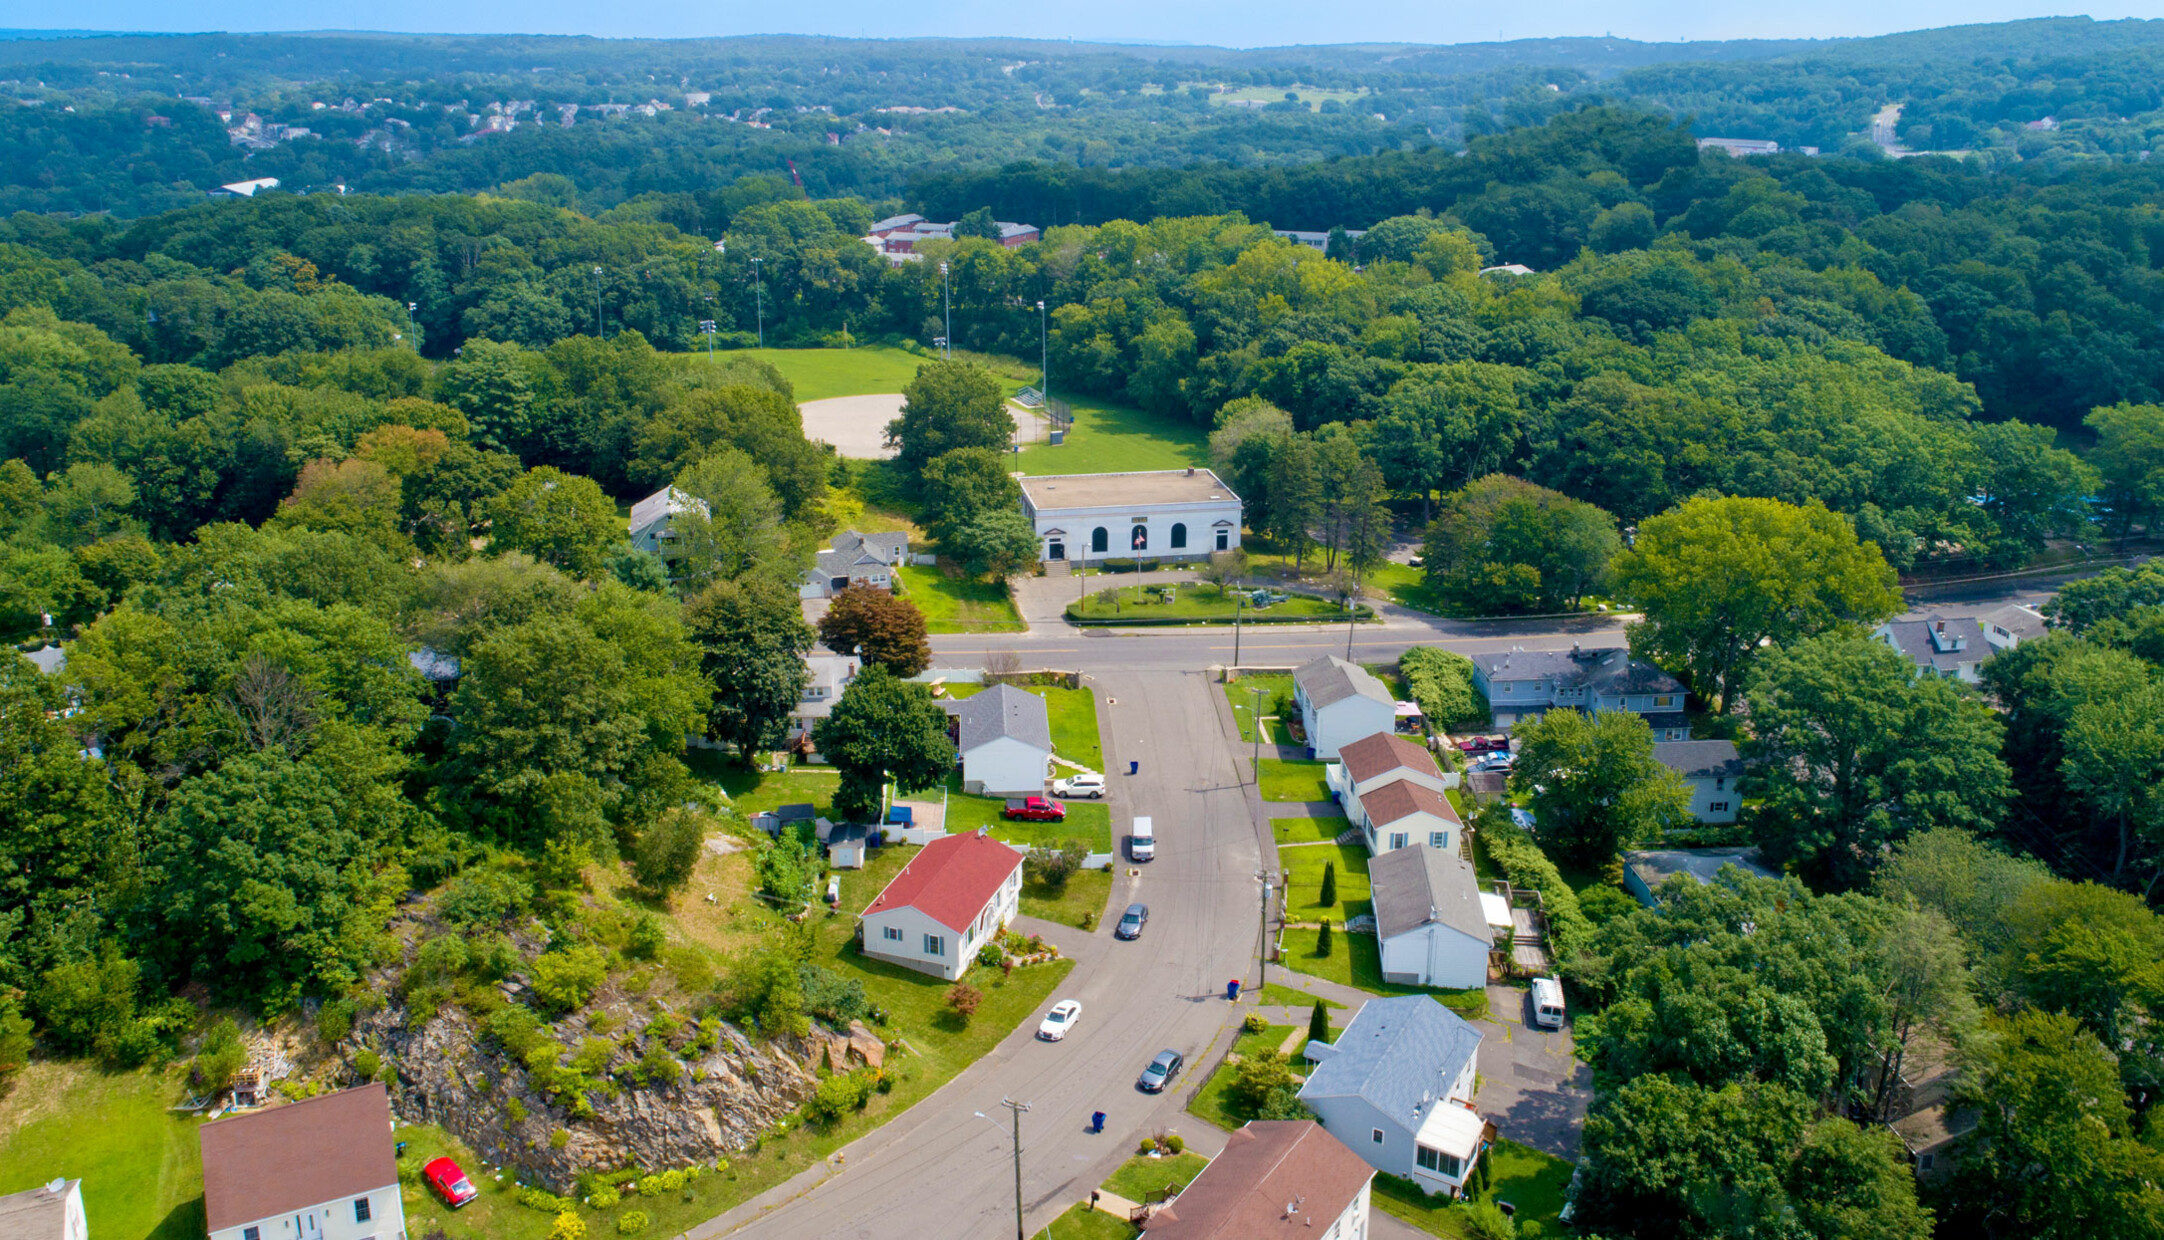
(1087, 821)
(1293, 779)
(818, 374)
(1214, 1101)
(1308, 830)
(1085, 893)
(959, 604)
(1404, 585)
(1526, 1178)
(1303, 882)
(1355, 960)
(1288, 997)
(1108, 439)
(1140, 1176)
(140, 1165)
(1276, 698)
(1073, 716)
(1198, 604)
(1082, 1223)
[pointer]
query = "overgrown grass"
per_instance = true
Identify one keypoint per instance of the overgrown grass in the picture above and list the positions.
(1303, 882)
(1108, 438)
(1142, 1175)
(1308, 830)
(1214, 1101)
(1531, 1181)
(1082, 1223)
(820, 374)
(1241, 694)
(952, 603)
(1355, 960)
(140, 1164)
(1293, 779)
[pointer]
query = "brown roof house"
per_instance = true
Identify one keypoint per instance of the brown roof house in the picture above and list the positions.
(322, 1169)
(1275, 1178)
(51, 1211)
(1392, 791)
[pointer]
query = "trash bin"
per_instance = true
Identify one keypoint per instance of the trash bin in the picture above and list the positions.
(1232, 990)
(1097, 1121)
(1134, 768)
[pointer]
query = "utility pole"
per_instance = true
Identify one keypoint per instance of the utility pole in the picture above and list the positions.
(706, 329)
(758, 280)
(946, 293)
(1262, 935)
(597, 303)
(1255, 691)
(1239, 608)
(1044, 357)
(1017, 1108)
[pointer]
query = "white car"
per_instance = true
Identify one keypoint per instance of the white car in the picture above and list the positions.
(1088, 784)
(1059, 1020)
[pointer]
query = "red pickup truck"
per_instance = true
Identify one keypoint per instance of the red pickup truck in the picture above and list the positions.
(1035, 809)
(1484, 744)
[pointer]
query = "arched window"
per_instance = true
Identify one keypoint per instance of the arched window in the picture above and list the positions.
(1141, 539)
(1100, 541)
(1179, 535)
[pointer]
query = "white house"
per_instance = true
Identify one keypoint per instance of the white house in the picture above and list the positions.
(1711, 768)
(653, 528)
(1397, 1088)
(1340, 702)
(320, 1169)
(1004, 738)
(854, 559)
(1274, 1178)
(2009, 626)
(52, 1211)
(1429, 919)
(1393, 792)
(1526, 684)
(1166, 514)
(245, 189)
(951, 897)
(827, 678)
(1942, 646)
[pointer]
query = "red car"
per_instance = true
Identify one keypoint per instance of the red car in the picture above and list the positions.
(449, 1182)
(1036, 809)
(1483, 744)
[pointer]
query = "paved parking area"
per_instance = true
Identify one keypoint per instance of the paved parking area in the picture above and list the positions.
(1531, 1086)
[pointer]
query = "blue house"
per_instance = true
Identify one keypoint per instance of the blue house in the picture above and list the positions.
(1526, 684)
(1397, 1088)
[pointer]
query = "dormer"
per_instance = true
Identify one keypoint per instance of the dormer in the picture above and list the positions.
(1945, 640)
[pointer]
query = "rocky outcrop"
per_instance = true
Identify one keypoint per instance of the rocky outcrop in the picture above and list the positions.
(449, 1074)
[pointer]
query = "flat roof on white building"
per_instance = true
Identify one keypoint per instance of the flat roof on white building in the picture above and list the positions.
(1070, 492)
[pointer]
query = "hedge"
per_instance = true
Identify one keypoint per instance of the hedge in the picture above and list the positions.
(1364, 614)
(1441, 681)
(1525, 865)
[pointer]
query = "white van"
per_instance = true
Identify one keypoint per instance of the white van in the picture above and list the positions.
(1548, 1002)
(1142, 843)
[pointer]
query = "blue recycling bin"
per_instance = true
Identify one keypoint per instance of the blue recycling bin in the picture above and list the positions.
(1097, 1121)
(1232, 990)
(1134, 768)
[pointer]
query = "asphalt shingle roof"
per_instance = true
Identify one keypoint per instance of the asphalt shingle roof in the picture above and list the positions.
(1379, 753)
(1699, 758)
(1402, 798)
(951, 880)
(1330, 679)
(1400, 1054)
(1265, 1168)
(1418, 886)
(1003, 710)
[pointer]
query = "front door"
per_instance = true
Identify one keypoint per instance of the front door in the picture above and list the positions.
(1055, 551)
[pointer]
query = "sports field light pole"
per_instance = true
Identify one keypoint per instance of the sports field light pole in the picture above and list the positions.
(758, 282)
(1044, 357)
(946, 293)
(1017, 1108)
(597, 303)
(706, 329)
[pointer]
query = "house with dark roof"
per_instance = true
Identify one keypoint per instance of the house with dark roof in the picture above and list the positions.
(320, 1169)
(1953, 647)
(854, 559)
(1340, 702)
(1645, 872)
(1397, 1088)
(826, 678)
(2009, 626)
(51, 660)
(1432, 925)
(1287, 1178)
(653, 520)
(51, 1211)
(1526, 684)
(1393, 791)
(1004, 738)
(1711, 768)
(951, 898)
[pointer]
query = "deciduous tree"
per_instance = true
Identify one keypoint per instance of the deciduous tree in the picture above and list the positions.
(883, 727)
(1595, 784)
(885, 629)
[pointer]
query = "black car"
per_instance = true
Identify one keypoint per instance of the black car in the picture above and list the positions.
(1160, 1072)
(1130, 926)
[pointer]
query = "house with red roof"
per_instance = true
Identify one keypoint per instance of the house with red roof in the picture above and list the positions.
(951, 899)
(1393, 791)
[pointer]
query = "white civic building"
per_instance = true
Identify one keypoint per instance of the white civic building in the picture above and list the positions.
(1166, 514)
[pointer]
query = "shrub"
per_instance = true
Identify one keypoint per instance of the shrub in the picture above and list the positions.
(666, 852)
(1484, 1220)
(565, 980)
(989, 955)
(832, 996)
(964, 999)
(1318, 1023)
(568, 1226)
(534, 1198)
(650, 1186)
(1323, 943)
(1328, 895)
(559, 1138)
(1050, 868)
(516, 1110)
(220, 1056)
(1603, 904)
(483, 897)
(1441, 681)
(1255, 1076)
(838, 1095)
(1175, 1144)
(1254, 1023)
(646, 938)
(632, 1222)
(1149, 1144)
(1525, 865)
(605, 1198)
(672, 1180)
(367, 1063)
(335, 1021)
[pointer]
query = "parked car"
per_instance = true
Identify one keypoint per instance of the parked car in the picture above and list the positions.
(1548, 1002)
(1131, 922)
(1484, 744)
(1035, 809)
(449, 1182)
(1088, 784)
(1059, 1020)
(1496, 762)
(1159, 1074)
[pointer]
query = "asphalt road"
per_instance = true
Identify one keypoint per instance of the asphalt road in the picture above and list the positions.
(938, 1170)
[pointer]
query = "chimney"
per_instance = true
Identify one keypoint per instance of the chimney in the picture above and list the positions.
(1190, 471)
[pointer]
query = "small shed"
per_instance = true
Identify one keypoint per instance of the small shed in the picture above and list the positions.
(846, 846)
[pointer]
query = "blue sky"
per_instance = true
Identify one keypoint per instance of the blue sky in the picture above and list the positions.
(1239, 23)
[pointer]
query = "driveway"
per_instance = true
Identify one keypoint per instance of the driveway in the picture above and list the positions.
(1532, 1086)
(855, 425)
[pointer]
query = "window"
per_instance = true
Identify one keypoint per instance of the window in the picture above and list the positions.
(894, 934)
(1717, 807)
(1378, 1135)
(1179, 535)
(1139, 540)
(1924, 1161)
(1100, 540)
(251, 1233)
(934, 945)
(360, 1209)
(1664, 701)
(1438, 839)
(1428, 1159)
(1720, 782)
(1399, 839)
(1224, 540)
